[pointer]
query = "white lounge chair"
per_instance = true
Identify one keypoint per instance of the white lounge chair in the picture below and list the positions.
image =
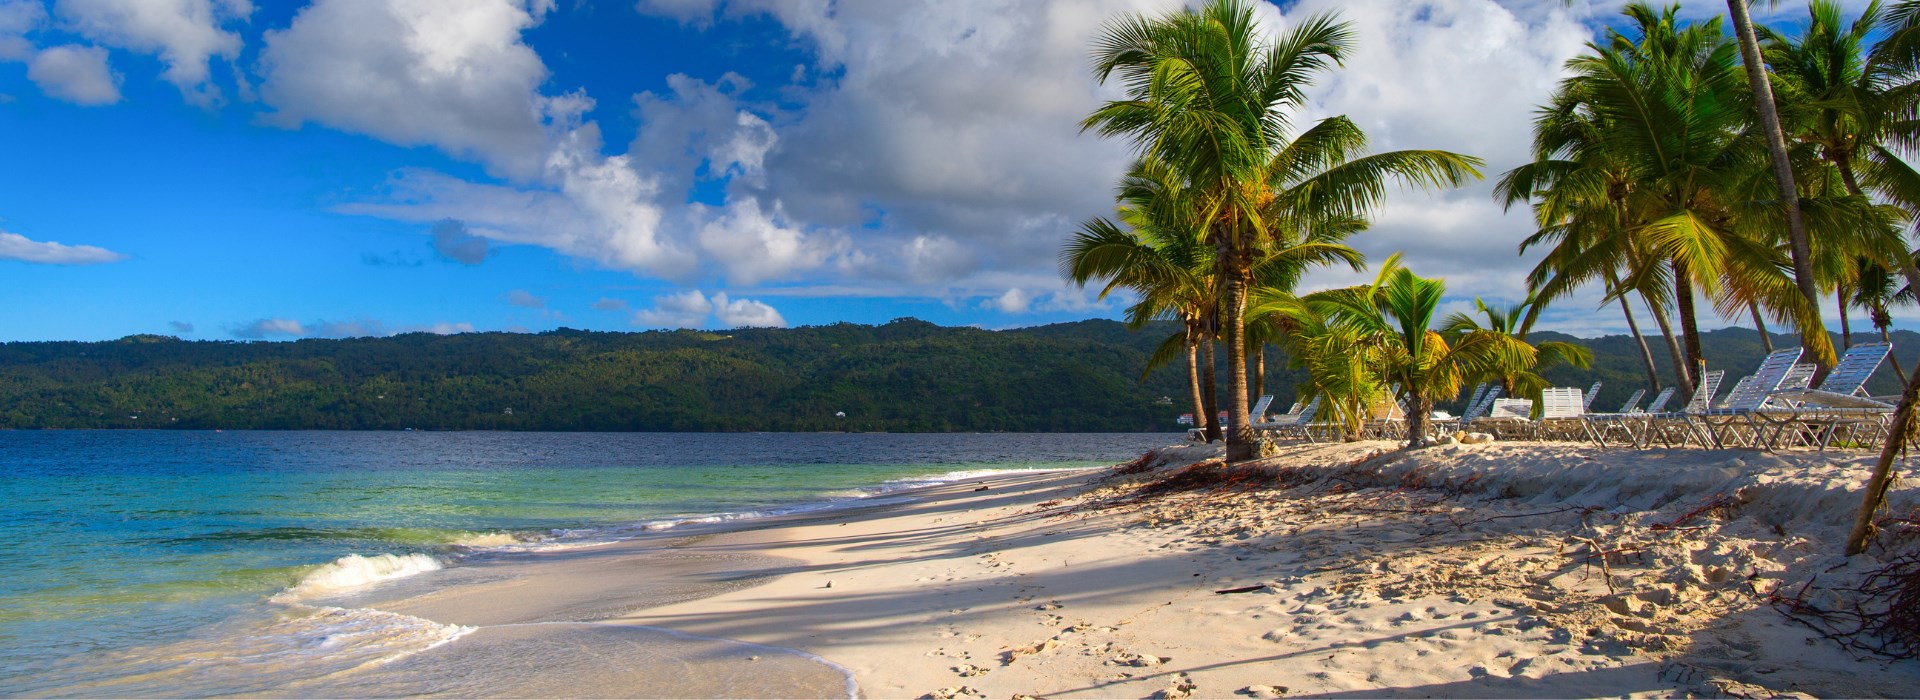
(1562, 414)
(1676, 429)
(1293, 425)
(1734, 423)
(1601, 425)
(1477, 408)
(1813, 417)
(1509, 418)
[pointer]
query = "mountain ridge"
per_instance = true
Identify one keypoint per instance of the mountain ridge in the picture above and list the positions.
(907, 375)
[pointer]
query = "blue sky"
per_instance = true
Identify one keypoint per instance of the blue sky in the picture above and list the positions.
(221, 169)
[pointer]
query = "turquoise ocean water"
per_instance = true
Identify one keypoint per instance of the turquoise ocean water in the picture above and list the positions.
(117, 544)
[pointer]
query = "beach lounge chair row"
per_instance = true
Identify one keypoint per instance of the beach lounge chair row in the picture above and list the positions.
(1773, 408)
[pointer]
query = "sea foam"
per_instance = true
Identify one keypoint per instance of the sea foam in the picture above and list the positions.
(353, 571)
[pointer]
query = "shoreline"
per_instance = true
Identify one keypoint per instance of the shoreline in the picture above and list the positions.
(1342, 570)
(1034, 586)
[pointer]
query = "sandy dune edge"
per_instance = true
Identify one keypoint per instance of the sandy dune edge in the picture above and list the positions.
(1461, 571)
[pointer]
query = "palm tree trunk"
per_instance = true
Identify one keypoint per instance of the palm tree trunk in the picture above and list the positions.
(1902, 426)
(1239, 432)
(1689, 323)
(1682, 379)
(1646, 354)
(1420, 411)
(1846, 326)
(1210, 390)
(1882, 478)
(1193, 377)
(1797, 242)
(1760, 324)
(1259, 371)
(1891, 358)
(1680, 376)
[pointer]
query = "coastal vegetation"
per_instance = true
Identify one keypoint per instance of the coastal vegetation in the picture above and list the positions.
(1211, 102)
(1657, 175)
(903, 376)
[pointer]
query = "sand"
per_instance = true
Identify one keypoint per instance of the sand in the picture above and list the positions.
(1503, 570)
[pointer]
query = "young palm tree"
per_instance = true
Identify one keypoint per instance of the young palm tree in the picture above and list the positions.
(1513, 321)
(1341, 364)
(1209, 95)
(1395, 315)
(1876, 289)
(1154, 252)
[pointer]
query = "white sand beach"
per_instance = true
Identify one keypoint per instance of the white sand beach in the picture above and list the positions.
(1456, 571)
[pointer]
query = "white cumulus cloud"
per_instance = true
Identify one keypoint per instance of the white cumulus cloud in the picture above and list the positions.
(602, 210)
(745, 313)
(688, 309)
(186, 34)
(14, 246)
(755, 246)
(77, 74)
(692, 309)
(1013, 301)
(453, 74)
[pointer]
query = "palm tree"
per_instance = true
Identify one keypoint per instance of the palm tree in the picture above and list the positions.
(1339, 361)
(1875, 288)
(1208, 95)
(1580, 192)
(1154, 252)
(1648, 165)
(1853, 107)
(1394, 317)
(1513, 321)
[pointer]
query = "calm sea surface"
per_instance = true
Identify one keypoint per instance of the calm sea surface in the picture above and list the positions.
(144, 552)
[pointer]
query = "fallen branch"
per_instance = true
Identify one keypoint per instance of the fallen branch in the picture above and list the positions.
(1242, 589)
(1462, 524)
(1721, 502)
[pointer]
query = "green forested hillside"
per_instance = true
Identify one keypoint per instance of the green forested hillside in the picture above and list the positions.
(903, 376)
